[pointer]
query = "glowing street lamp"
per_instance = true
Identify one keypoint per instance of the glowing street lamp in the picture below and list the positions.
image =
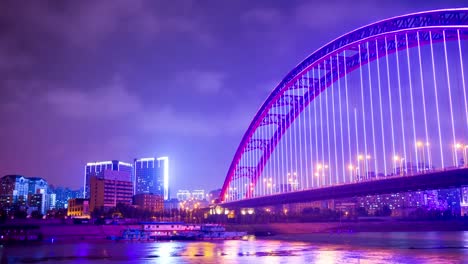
(352, 169)
(320, 168)
(358, 169)
(465, 156)
(419, 144)
(456, 148)
(397, 158)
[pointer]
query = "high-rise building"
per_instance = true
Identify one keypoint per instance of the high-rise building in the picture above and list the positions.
(183, 195)
(148, 176)
(163, 163)
(93, 168)
(62, 195)
(109, 188)
(13, 190)
(152, 176)
(37, 192)
(198, 195)
(17, 190)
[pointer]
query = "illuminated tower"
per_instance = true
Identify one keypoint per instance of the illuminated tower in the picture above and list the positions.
(93, 168)
(152, 176)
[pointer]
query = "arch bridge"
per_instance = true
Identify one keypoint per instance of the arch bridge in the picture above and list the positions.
(384, 102)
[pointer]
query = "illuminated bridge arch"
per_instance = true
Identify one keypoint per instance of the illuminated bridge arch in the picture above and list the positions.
(384, 100)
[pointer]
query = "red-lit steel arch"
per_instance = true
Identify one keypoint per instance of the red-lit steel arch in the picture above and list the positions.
(407, 31)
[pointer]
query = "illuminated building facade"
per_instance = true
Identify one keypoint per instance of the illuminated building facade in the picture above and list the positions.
(152, 176)
(21, 191)
(13, 190)
(149, 202)
(78, 207)
(93, 168)
(198, 195)
(62, 195)
(183, 195)
(109, 188)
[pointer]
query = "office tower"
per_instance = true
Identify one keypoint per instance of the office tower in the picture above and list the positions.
(109, 188)
(93, 168)
(152, 176)
(148, 178)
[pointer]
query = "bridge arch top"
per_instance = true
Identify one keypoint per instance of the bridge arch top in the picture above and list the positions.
(435, 19)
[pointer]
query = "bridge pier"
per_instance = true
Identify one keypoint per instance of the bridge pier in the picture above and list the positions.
(464, 200)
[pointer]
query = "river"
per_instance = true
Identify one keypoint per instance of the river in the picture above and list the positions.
(375, 247)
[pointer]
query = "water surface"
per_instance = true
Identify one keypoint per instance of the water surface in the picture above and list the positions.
(397, 247)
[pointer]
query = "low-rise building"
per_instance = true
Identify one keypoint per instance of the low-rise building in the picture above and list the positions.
(109, 188)
(149, 202)
(78, 207)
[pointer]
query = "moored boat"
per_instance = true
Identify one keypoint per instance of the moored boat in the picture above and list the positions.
(178, 231)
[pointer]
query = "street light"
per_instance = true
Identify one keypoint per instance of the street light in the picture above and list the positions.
(419, 144)
(457, 146)
(321, 168)
(368, 166)
(360, 158)
(351, 169)
(465, 157)
(396, 158)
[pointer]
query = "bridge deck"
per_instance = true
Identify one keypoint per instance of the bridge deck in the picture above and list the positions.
(427, 181)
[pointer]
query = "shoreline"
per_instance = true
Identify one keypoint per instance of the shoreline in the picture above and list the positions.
(351, 227)
(284, 231)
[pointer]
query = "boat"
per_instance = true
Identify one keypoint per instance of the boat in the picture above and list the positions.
(218, 232)
(177, 231)
(20, 233)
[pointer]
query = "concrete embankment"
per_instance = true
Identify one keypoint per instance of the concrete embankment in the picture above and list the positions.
(381, 226)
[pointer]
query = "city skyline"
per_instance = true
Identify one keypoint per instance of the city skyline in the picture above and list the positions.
(59, 115)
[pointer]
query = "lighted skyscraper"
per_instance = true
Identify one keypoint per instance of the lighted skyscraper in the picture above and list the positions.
(152, 176)
(92, 168)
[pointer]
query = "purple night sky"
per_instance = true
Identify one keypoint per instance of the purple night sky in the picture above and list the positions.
(85, 81)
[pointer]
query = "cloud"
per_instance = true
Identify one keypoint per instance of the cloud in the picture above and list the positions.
(88, 23)
(264, 16)
(192, 27)
(12, 61)
(169, 121)
(324, 15)
(116, 101)
(203, 82)
(112, 101)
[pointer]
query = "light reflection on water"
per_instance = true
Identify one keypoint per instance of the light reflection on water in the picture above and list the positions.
(398, 247)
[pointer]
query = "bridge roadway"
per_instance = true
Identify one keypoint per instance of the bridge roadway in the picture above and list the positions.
(438, 179)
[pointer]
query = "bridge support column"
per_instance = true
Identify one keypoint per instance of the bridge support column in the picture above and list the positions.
(464, 200)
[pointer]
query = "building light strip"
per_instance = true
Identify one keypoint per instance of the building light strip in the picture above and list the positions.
(166, 176)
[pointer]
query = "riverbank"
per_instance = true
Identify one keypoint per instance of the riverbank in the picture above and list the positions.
(351, 227)
(69, 232)
(287, 231)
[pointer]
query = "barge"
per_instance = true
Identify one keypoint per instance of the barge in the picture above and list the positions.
(150, 231)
